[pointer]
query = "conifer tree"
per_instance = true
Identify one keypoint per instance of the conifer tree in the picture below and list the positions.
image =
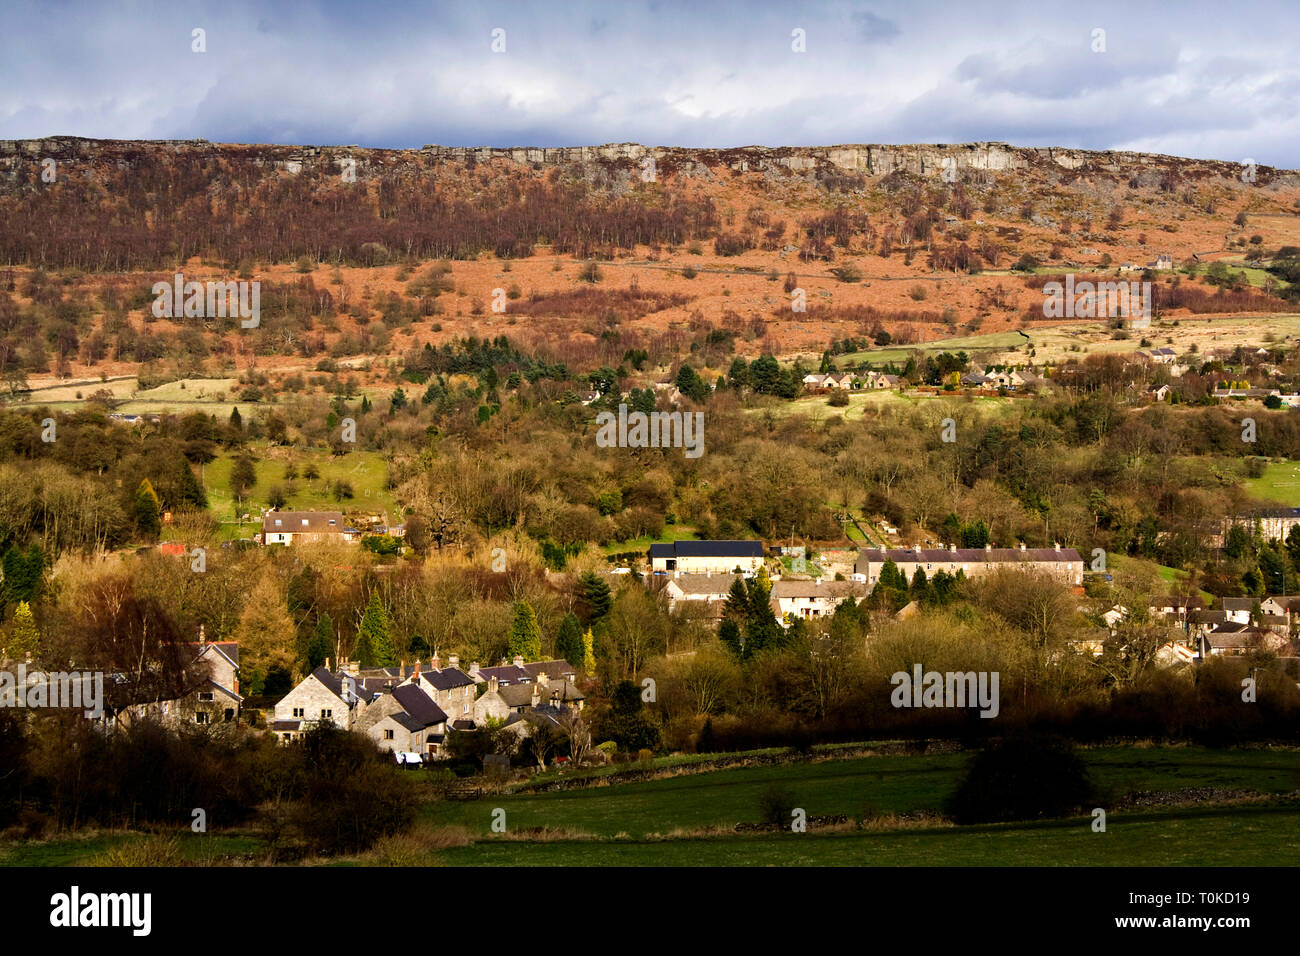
(525, 633)
(375, 635)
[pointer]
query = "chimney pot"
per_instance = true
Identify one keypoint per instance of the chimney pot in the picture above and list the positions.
(519, 660)
(988, 547)
(435, 663)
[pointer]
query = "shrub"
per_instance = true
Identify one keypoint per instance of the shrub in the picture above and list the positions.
(1021, 778)
(776, 804)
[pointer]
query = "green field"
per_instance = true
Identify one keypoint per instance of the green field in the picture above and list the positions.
(859, 401)
(1055, 343)
(689, 818)
(1280, 484)
(366, 471)
(672, 532)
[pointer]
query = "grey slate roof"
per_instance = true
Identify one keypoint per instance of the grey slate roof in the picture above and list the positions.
(419, 705)
(707, 549)
(966, 555)
(291, 522)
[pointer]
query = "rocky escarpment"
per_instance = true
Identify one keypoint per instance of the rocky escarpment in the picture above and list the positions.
(874, 160)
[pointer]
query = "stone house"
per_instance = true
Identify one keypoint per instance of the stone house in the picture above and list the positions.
(404, 719)
(213, 697)
(288, 527)
(321, 696)
(711, 590)
(1065, 563)
(809, 599)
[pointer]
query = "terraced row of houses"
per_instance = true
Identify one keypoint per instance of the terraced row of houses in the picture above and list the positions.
(409, 709)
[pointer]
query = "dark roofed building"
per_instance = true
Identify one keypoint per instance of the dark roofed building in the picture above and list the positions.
(706, 557)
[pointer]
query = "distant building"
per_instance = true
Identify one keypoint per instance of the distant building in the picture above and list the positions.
(1064, 563)
(708, 590)
(706, 557)
(813, 598)
(290, 527)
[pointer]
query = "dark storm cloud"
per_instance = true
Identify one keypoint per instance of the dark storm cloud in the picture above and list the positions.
(1199, 79)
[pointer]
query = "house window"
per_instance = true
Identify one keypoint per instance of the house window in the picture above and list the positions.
(304, 522)
(230, 714)
(201, 717)
(388, 735)
(326, 713)
(205, 695)
(299, 712)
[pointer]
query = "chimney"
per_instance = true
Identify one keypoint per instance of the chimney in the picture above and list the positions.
(1022, 546)
(473, 669)
(541, 679)
(435, 663)
(416, 673)
(202, 636)
(952, 549)
(988, 548)
(354, 668)
(453, 660)
(519, 660)
(1056, 545)
(327, 663)
(493, 684)
(537, 695)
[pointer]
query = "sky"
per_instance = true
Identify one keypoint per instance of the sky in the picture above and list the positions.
(1205, 80)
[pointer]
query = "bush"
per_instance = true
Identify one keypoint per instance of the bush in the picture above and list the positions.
(776, 804)
(839, 398)
(1021, 778)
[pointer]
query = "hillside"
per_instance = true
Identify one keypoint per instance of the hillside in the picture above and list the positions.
(368, 252)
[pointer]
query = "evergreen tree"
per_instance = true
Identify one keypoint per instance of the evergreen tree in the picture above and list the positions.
(147, 510)
(375, 635)
(568, 640)
(321, 646)
(595, 596)
(236, 421)
(736, 606)
(188, 489)
(525, 633)
(24, 637)
(24, 573)
(730, 636)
